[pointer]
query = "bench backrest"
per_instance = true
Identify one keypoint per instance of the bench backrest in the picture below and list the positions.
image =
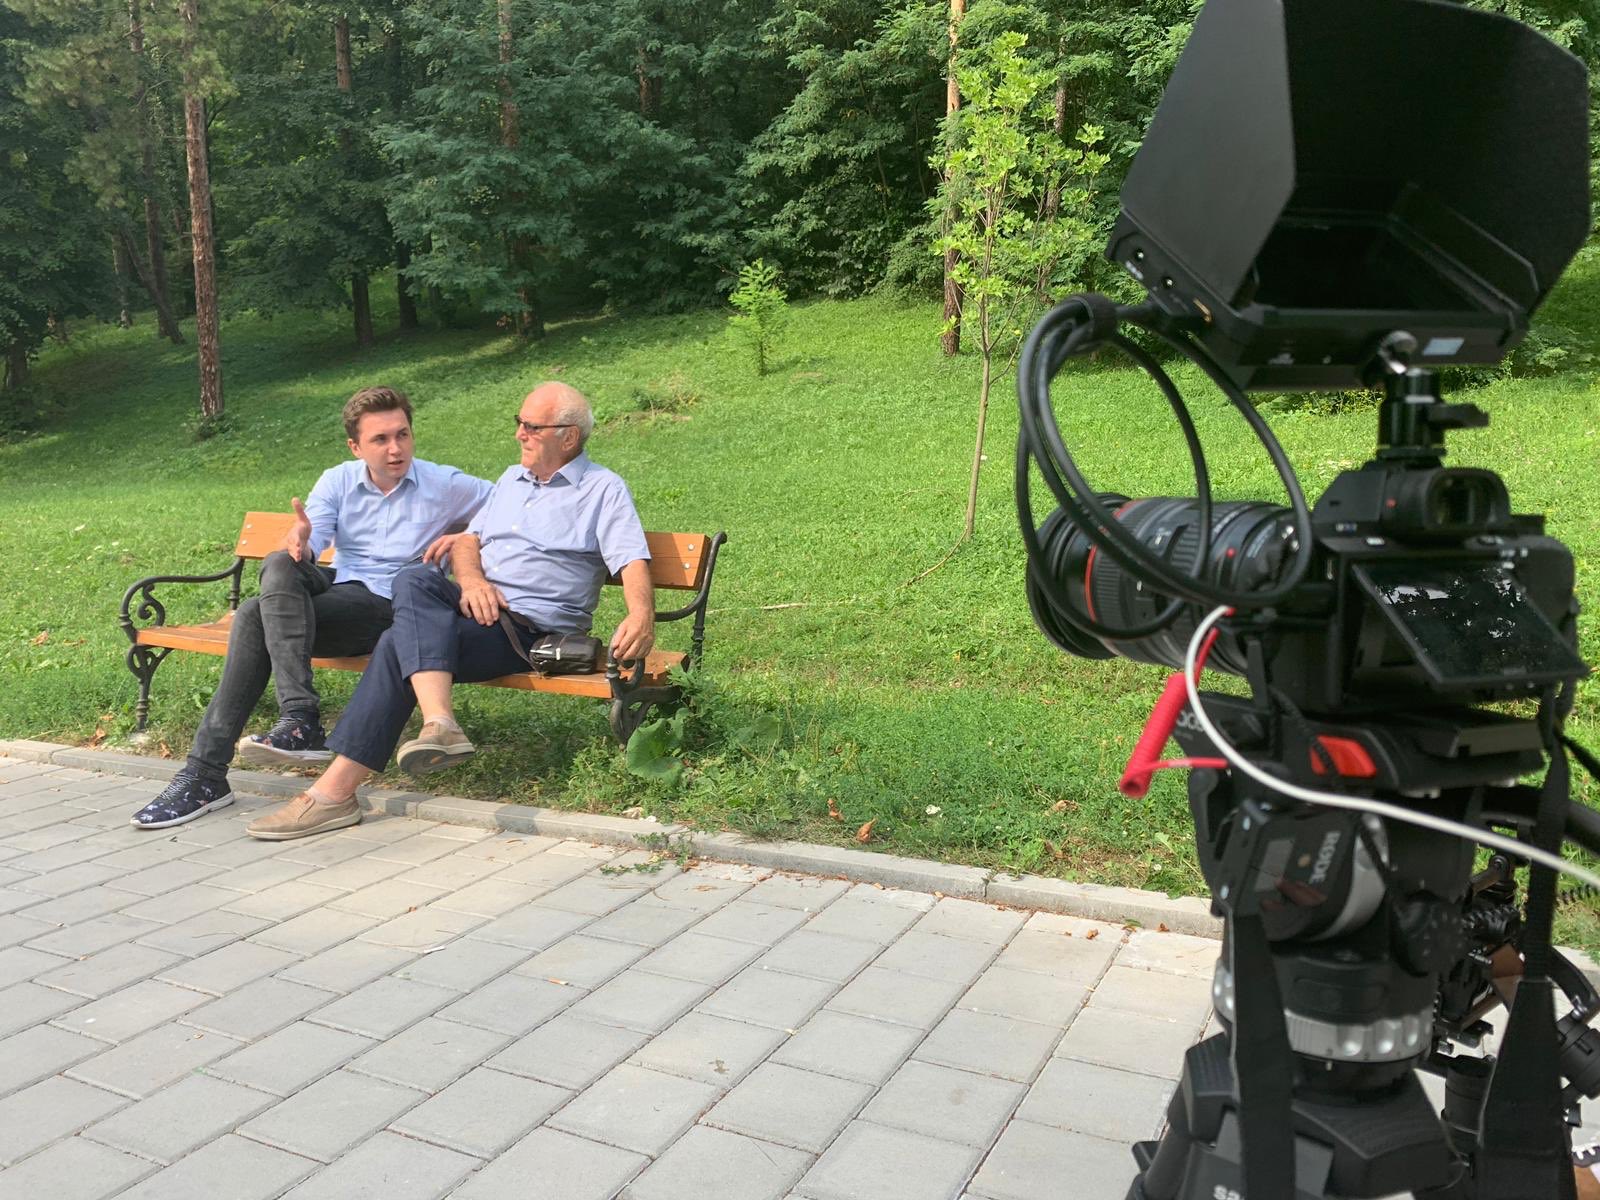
(677, 560)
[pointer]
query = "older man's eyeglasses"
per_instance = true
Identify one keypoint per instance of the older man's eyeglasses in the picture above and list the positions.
(529, 428)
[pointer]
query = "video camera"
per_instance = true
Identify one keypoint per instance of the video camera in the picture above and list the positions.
(1334, 196)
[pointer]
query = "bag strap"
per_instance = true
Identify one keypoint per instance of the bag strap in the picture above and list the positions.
(508, 626)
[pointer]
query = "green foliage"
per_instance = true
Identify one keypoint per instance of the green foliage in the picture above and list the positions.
(656, 748)
(763, 310)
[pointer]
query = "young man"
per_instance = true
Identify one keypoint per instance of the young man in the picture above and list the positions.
(382, 510)
(554, 527)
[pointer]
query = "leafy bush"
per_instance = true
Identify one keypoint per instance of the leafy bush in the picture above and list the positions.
(763, 310)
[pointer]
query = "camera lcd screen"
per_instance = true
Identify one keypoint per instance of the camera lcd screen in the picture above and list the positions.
(1469, 623)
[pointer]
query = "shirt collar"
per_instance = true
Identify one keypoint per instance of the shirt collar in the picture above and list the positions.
(364, 480)
(571, 472)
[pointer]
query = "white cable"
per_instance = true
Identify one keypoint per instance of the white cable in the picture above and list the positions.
(1364, 804)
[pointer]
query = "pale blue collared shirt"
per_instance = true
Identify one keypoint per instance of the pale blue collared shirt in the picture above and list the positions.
(549, 547)
(375, 535)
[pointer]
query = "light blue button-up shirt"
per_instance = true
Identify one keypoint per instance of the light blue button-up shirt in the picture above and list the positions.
(549, 547)
(375, 535)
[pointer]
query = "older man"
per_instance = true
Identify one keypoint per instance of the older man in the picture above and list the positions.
(540, 548)
(384, 508)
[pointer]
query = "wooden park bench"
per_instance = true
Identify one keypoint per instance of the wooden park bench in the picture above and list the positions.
(678, 561)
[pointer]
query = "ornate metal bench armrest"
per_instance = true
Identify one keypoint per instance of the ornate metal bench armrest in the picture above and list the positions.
(153, 611)
(697, 607)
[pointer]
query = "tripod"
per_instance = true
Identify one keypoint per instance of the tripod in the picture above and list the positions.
(1354, 953)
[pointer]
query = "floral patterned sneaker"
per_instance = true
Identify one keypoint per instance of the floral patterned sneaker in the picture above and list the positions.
(188, 796)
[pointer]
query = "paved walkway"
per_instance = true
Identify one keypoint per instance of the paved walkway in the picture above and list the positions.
(410, 1009)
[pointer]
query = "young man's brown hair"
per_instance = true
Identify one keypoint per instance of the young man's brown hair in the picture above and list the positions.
(372, 400)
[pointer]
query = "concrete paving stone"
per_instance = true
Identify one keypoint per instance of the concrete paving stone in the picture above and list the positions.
(325, 851)
(179, 1119)
(532, 928)
(257, 876)
(68, 880)
(548, 870)
(233, 966)
(388, 1167)
(581, 960)
(42, 817)
(151, 1060)
(1080, 959)
(53, 1108)
(426, 929)
(878, 921)
(96, 934)
(416, 850)
(1129, 1041)
(849, 1047)
(180, 904)
(208, 834)
(711, 1049)
(1026, 995)
(345, 967)
(38, 1052)
(73, 1169)
(284, 901)
(259, 1008)
(953, 917)
(111, 827)
(772, 998)
(703, 959)
(156, 849)
(1118, 1105)
(11, 899)
(331, 1116)
(1032, 1160)
(804, 892)
(25, 1004)
(509, 848)
(388, 899)
(595, 895)
(989, 1044)
(638, 1000)
(483, 1112)
(945, 1103)
(512, 1005)
(120, 1015)
(820, 955)
(464, 964)
(935, 956)
(231, 1166)
(1179, 953)
(68, 854)
(1154, 994)
(889, 1164)
(165, 877)
(645, 922)
(568, 1052)
(700, 889)
(746, 921)
(383, 1007)
(237, 852)
(715, 1162)
(784, 1104)
(915, 1000)
(635, 1109)
(18, 964)
(452, 871)
(567, 1168)
(204, 933)
(489, 898)
(353, 874)
(313, 932)
(284, 1062)
(430, 1054)
(387, 829)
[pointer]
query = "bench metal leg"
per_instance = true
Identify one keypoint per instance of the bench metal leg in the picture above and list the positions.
(143, 661)
(631, 709)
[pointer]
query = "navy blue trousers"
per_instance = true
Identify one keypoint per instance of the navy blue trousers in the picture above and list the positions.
(428, 634)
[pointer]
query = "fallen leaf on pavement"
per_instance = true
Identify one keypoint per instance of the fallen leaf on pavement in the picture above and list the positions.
(1093, 933)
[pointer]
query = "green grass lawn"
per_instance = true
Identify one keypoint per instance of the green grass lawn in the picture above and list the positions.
(933, 708)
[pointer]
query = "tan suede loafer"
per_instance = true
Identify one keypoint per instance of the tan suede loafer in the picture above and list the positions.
(302, 817)
(433, 749)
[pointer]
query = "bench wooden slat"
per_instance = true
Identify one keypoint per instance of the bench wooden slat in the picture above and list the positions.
(677, 560)
(212, 638)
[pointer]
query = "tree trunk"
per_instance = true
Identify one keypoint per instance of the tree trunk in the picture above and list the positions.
(360, 299)
(119, 264)
(164, 317)
(16, 364)
(649, 86)
(977, 450)
(529, 320)
(165, 326)
(950, 340)
(1052, 195)
(405, 298)
(206, 324)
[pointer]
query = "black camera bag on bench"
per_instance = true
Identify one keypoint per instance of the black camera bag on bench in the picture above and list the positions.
(555, 653)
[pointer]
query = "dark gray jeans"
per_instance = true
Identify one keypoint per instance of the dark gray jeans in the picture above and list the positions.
(300, 612)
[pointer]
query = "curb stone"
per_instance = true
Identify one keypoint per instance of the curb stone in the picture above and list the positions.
(1179, 914)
